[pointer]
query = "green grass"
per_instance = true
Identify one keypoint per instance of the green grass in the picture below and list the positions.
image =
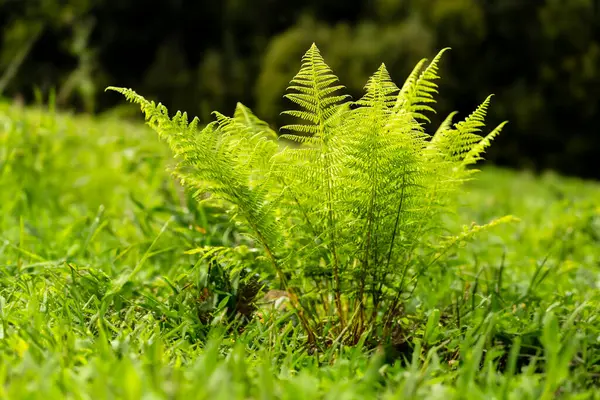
(98, 298)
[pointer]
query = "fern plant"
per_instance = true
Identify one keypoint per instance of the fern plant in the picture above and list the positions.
(347, 203)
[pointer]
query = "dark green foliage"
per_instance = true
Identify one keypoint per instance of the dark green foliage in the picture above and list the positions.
(351, 217)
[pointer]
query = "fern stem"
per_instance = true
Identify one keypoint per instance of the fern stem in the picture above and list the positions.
(391, 249)
(332, 237)
(396, 222)
(299, 205)
(332, 225)
(331, 218)
(370, 228)
(295, 303)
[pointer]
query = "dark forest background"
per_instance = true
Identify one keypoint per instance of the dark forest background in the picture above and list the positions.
(541, 58)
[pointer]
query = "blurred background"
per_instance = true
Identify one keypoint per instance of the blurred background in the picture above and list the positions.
(541, 59)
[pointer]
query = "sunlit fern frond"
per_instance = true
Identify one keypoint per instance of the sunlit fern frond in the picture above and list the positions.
(466, 133)
(433, 147)
(476, 120)
(251, 140)
(246, 117)
(322, 110)
(446, 125)
(176, 131)
(474, 155)
(418, 92)
(452, 144)
(409, 84)
(380, 90)
(314, 89)
(468, 232)
(223, 159)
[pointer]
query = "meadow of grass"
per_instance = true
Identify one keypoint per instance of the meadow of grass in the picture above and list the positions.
(99, 299)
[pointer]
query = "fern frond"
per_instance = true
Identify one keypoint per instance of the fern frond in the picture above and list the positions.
(470, 231)
(444, 126)
(230, 158)
(474, 122)
(466, 133)
(454, 144)
(250, 144)
(409, 85)
(380, 90)
(474, 154)
(301, 139)
(314, 90)
(176, 131)
(245, 116)
(425, 87)
(433, 147)
(418, 93)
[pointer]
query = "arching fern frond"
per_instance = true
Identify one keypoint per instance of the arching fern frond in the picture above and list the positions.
(444, 126)
(433, 147)
(474, 155)
(466, 132)
(452, 144)
(229, 159)
(418, 93)
(176, 131)
(409, 85)
(474, 122)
